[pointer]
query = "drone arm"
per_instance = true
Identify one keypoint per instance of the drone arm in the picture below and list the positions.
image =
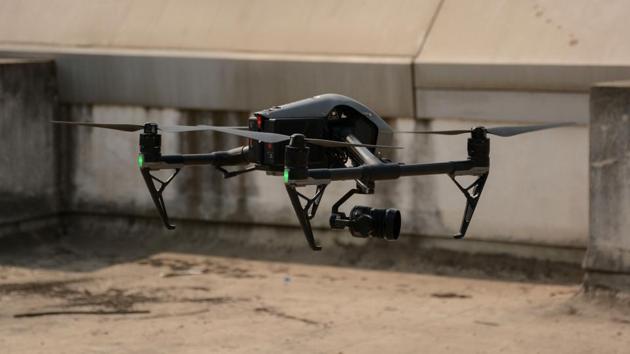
(394, 170)
(236, 156)
(156, 186)
(470, 167)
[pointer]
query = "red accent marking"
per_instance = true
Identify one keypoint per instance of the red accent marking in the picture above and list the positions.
(259, 122)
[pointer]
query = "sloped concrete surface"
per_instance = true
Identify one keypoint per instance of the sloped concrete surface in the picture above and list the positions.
(349, 27)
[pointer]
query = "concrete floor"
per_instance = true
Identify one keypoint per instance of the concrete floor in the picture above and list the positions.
(176, 302)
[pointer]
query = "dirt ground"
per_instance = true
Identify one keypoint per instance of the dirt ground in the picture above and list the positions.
(69, 302)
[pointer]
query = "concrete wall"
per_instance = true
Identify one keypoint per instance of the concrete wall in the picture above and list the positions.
(608, 258)
(29, 184)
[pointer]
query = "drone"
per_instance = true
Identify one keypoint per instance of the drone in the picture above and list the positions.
(313, 142)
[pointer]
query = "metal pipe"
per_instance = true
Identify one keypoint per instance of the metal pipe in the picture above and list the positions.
(236, 156)
(361, 152)
(393, 170)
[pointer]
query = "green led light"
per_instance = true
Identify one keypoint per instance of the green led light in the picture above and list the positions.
(286, 175)
(140, 160)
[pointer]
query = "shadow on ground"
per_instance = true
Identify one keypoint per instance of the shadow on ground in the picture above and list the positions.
(88, 243)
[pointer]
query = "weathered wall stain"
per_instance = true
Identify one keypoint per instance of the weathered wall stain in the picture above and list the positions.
(28, 187)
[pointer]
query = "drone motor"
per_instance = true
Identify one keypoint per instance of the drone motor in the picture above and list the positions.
(150, 144)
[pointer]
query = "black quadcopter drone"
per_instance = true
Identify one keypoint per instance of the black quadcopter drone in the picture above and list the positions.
(313, 142)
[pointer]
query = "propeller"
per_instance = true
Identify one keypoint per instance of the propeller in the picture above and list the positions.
(498, 131)
(137, 127)
(238, 131)
(121, 127)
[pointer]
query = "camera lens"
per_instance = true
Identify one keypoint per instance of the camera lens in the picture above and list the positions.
(372, 222)
(391, 224)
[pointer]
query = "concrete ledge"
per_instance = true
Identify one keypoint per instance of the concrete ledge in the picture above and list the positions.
(515, 76)
(226, 81)
(594, 281)
(519, 106)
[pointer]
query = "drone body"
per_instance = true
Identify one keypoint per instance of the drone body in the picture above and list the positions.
(329, 116)
(316, 141)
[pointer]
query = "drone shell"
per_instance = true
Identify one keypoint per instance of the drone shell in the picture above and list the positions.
(323, 106)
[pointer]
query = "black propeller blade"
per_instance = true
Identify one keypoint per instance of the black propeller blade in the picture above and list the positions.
(511, 131)
(498, 131)
(136, 127)
(267, 137)
(238, 131)
(195, 128)
(437, 132)
(121, 127)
